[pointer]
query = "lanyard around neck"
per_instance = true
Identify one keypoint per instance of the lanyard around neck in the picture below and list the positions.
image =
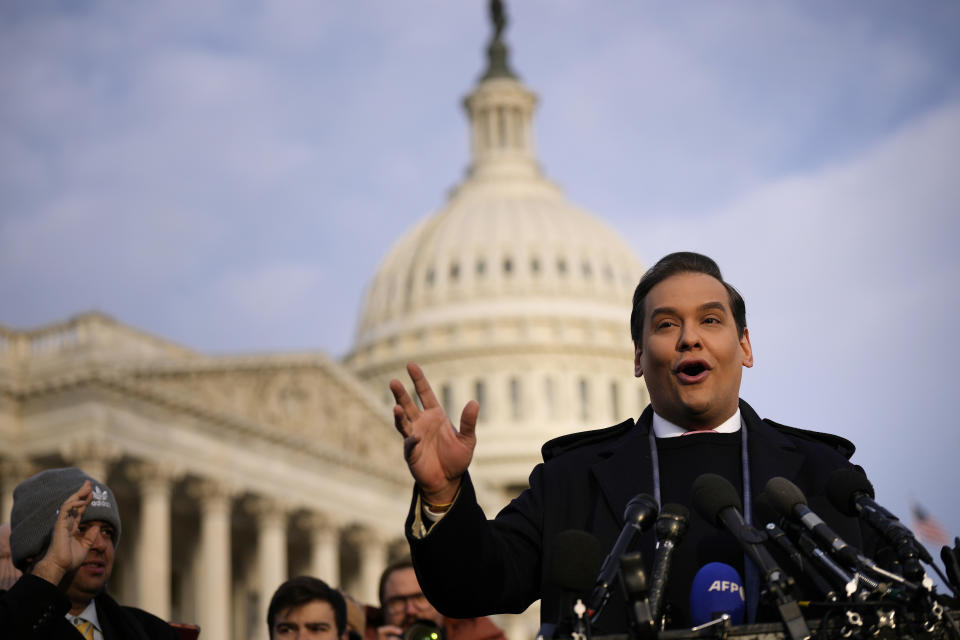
(745, 471)
(751, 579)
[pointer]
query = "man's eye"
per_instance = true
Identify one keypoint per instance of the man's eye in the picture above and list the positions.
(712, 320)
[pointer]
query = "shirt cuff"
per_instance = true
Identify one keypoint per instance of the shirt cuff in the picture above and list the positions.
(424, 518)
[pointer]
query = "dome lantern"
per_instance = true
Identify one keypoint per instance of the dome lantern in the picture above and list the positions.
(501, 114)
(508, 294)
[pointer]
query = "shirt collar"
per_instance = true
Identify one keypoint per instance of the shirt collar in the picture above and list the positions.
(663, 428)
(89, 614)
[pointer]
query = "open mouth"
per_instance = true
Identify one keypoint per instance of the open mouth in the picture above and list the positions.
(692, 371)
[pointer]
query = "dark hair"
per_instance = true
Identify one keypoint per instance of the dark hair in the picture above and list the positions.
(674, 264)
(301, 590)
(403, 563)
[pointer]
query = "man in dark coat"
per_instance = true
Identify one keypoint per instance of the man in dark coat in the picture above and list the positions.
(691, 344)
(64, 530)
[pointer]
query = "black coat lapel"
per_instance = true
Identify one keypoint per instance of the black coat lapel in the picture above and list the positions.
(771, 453)
(626, 471)
(116, 623)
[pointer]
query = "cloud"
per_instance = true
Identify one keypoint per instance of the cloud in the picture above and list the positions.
(677, 108)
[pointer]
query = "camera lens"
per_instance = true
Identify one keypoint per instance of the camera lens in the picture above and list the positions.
(423, 630)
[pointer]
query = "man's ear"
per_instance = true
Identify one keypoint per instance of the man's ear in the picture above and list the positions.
(637, 366)
(747, 349)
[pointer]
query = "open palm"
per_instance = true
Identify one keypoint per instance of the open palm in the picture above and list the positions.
(437, 453)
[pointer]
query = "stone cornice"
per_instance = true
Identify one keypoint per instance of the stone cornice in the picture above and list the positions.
(85, 332)
(125, 383)
(115, 372)
(388, 365)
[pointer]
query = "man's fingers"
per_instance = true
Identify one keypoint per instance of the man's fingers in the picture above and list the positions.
(397, 389)
(400, 421)
(404, 400)
(424, 392)
(88, 537)
(76, 504)
(468, 419)
(389, 631)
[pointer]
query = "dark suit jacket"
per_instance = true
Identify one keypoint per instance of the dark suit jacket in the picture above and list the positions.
(34, 609)
(469, 566)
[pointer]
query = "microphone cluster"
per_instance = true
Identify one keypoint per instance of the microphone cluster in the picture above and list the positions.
(855, 596)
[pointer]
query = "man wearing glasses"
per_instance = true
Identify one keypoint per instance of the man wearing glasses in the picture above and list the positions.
(404, 606)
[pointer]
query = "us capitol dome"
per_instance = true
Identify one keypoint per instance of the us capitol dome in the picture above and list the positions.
(510, 295)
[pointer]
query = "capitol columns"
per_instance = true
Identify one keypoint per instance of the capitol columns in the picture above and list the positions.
(271, 518)
(212, 573)
(324, 546)
(153, 577)
(372, 546)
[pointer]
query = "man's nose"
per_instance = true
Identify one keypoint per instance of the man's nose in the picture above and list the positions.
(689, 336)
(100, 541)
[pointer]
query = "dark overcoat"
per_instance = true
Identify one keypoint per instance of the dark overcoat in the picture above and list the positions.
(470, 566)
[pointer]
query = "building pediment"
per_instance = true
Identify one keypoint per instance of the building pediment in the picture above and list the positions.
(305, 402)
(302, 397)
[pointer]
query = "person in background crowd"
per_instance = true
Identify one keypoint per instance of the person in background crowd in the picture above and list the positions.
(64, 531)
(356, 618)
(403, 604)
(305, 608)
(8, 573)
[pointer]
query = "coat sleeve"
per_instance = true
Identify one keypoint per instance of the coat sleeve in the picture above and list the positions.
(31, 607)
(469, 566)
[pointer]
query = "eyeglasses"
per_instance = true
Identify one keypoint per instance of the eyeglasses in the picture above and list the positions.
(398, 604)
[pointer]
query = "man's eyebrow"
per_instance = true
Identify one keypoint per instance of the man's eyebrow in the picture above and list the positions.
(662, 310)
(713, 305)
(706, 306)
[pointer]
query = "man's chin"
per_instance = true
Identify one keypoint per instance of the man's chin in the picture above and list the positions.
(85, 590)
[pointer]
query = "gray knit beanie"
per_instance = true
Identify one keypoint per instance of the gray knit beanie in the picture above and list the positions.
(35, 504)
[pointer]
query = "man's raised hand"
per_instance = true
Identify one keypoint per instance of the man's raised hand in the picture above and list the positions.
(68, 545)
(437, 453)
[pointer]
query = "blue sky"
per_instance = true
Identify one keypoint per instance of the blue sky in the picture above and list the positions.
(228, 175)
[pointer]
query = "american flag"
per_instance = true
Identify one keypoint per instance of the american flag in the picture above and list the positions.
(927, 527)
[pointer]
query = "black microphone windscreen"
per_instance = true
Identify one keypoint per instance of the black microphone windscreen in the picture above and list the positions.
(641, 510)
(712, 494)
(577, 556)
(842, 487)
(784, 495)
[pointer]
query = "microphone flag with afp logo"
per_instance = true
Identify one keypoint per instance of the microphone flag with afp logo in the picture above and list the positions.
(717, 589)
